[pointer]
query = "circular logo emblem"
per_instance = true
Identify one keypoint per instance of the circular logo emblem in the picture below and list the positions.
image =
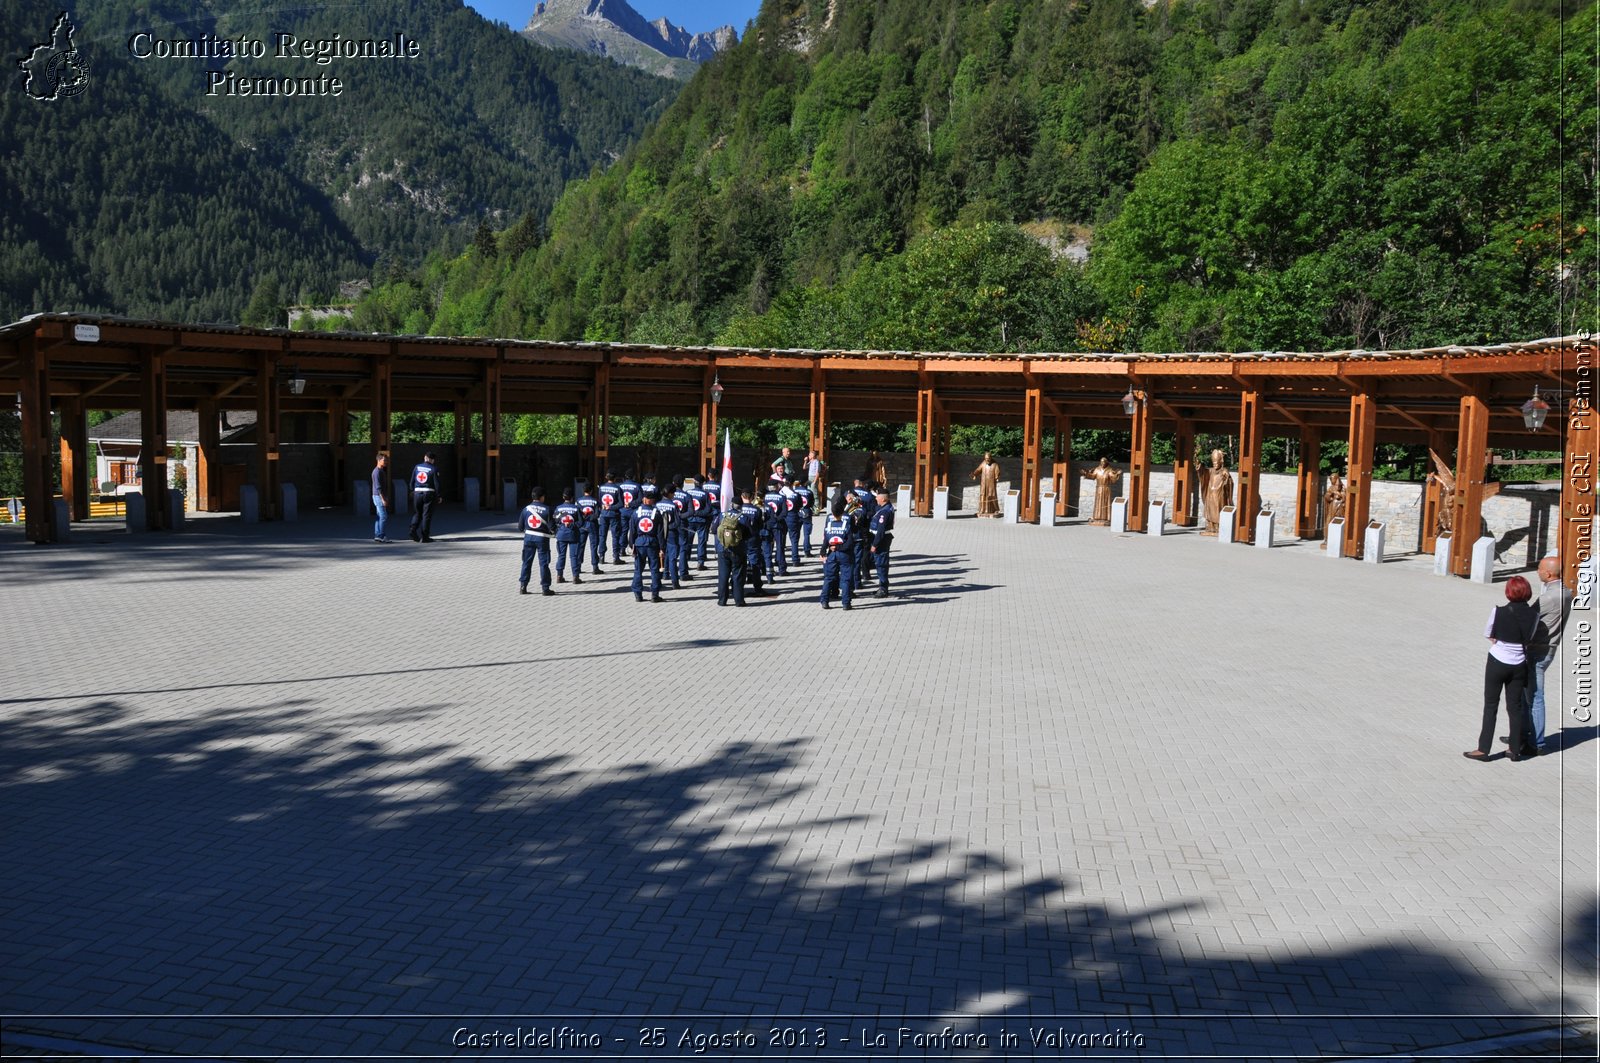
(422, 477)
(647, 525)
(534, 522)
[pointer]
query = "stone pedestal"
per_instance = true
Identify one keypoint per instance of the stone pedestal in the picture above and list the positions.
(400, 491)
(288, 502)
(472, 494)
(508, 496)
(902, 502)
(249, 504)
(1335, 538)
(174, 510)
(63, 515)
(1156, 518)
(1372, 543)
(361, 497)
(133, 510)
(1265, 525)
(1441, 555)
(1483, 560)
(941, 503)
(1119, 515)
(1011, 507)
(1226, 524)
(1047, 509)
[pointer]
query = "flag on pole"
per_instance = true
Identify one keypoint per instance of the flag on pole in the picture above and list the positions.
(729, 502)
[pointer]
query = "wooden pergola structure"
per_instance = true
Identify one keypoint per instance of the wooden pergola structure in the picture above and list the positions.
(1461, 400)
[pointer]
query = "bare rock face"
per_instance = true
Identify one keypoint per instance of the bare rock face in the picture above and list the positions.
(613, 28)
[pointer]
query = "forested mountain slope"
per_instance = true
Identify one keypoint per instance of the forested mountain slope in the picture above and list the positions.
(149, 193)
(1248, 173)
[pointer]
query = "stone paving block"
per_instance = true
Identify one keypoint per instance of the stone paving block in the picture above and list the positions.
(328, 777)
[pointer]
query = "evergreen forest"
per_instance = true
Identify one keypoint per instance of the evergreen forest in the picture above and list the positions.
(1027, 175)
(144, 196)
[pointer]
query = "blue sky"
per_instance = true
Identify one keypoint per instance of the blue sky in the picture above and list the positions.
(696, 16)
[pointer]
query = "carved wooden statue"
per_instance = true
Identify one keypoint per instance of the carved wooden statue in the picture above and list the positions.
(1106, 477)
(1445, 477)
(1216, 491)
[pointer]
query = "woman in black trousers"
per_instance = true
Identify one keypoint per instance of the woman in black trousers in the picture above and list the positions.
(1510, 629)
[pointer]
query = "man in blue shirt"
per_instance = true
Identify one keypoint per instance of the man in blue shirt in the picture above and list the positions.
(643, 540)
(589, 531)
(535, 524)
(568, 523)
(882, 528)
(380, 500)
(424, 493)
(838, 557)
(612, 522)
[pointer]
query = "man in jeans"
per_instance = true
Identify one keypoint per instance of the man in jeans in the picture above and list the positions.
(380, 500)
(1555, 600)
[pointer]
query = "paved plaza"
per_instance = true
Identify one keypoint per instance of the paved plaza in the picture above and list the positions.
(277, 790)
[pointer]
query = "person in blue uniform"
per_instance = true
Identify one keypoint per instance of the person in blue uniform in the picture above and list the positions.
(568, 538)
(860, 523)
(882, 536)
(773, 527)
(644, 540)
(612, 523)
(697, 516)
(793, 518)
(678, 549)
(536, 526)
(713, 491)
(838, 557)
(807, 501)
(755, 551)
(589, 532)
(424, 494)
(631, 495)
(731, 556)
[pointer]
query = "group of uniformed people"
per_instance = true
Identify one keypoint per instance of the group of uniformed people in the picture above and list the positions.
(754, 539)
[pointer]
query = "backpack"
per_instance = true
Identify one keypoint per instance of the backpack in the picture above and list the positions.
(730, 533)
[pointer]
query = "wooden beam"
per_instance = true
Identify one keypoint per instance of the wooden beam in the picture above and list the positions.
(489, 494)
(1308, 485)
(1358, 477)
(1139, 467)
(382, 400)
(153, 437)
(208, 458)
(338, 448)
(1183, 474)
(1061, 467)
(268, 476)
(37, 473)
(819, 413)
(1032, 452)
(75, 477)
(601, 442)
(923, 475)
(1472, 464)
(1250, 434)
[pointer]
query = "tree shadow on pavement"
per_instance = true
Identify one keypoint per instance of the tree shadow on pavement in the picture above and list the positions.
(263, 862)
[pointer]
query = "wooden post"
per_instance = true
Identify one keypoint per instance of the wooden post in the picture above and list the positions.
(489, 489)
(1433, 493)
(208, 458)
(923, 477)
(1139, 467)
(75, 477)
(382, 401)
(1249, 500)
(1183, 474)
(1061, 467)
(1472, 464)
(708, 423)
(267, 408)
(153, 436)
(338, 447)
(1577, 490)
(37, 475)
(1032, 451)
(941, 448)
(819, 413)
(460, 437)
(1358, 477)
(1308, 486)
(601, 403)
